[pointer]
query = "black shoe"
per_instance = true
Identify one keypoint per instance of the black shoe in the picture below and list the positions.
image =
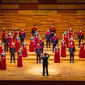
(43, 75)
(47, 75)
(14, 62)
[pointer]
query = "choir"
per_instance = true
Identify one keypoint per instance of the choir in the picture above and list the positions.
(14, 42)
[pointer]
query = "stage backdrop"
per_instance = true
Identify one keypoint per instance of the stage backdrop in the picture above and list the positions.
(61, 14)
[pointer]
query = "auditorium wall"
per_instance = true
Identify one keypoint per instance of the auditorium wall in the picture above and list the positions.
(25, 16)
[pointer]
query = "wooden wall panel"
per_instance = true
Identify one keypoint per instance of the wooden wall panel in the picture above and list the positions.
(43, 6)
(62, 19)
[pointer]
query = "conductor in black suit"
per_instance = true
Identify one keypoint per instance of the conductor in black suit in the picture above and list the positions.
(45, 58)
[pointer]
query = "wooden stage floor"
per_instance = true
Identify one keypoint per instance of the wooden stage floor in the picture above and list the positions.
(32, 71)
(57, 71)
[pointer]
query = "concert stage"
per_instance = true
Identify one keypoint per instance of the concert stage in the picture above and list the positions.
(57, 71)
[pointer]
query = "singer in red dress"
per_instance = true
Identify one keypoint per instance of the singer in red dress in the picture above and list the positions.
(17, 43)
(63, 49)
(70, 33)
(3, 60)
(56, 55)
(65, 36)
(81, 51)
(19, 60)
(15, 33)
(36, 40)
(0, 47)
(24, 51)
(3, 33)
(10, 39)
(32, 44)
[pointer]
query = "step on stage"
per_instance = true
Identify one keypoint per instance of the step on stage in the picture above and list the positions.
(57, 71)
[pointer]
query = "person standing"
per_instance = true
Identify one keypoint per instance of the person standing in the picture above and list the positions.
(22, 36)
(17, 43)
(6, 41)
(45, 63)
(71, 50)
(81, 51)
(52, 31)
(10, 37)
(33, 31)
(56, 55)
(19, 60)
(3, 60)
(12, 53)
(38, 52)
(63, 48)
(54, 41)
(0, 47)
(70, 33)
(24, 50)
(15, 33)
(3, 33)
(32, 44)
(48, 38)
(80, 37)
(41, 42)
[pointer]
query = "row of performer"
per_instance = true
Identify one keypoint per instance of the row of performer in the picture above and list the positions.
(15, 42)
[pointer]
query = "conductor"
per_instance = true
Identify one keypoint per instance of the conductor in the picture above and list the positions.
(45, 58)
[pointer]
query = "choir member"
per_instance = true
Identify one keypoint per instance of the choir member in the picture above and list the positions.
(80, 37)
(15, 33)
(12, 52)
(32, 44)
(65, 36)
(0, 47)
(19, 60)
(71, 39)
(48, 38)
(52, 31)
(54, 41)
(34, 29)
(81, 51)
(45, 63)
(41, 42)
(71, 50)
(22, 36)
(36, 38)
(56, 55)
(38, 52)
(10, 38)
(63, 48)
(70, 33)
(3, 60)
(24, 51)
(17, 43)
(3, 33)
(6, 42)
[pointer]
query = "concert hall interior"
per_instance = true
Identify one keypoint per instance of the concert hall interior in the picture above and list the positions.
(24, 16)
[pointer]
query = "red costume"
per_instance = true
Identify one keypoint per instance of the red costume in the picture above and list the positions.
(0, 49)
(36, 40)
(81, 52)
(17, 45)
(3, 61)
(10, 41)
(32, 46)
(70, 33)
(24, 51)
(19, 60)
(3, 34)
(15, 34)
(57, 55)
(63, 50)
(66, 40)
